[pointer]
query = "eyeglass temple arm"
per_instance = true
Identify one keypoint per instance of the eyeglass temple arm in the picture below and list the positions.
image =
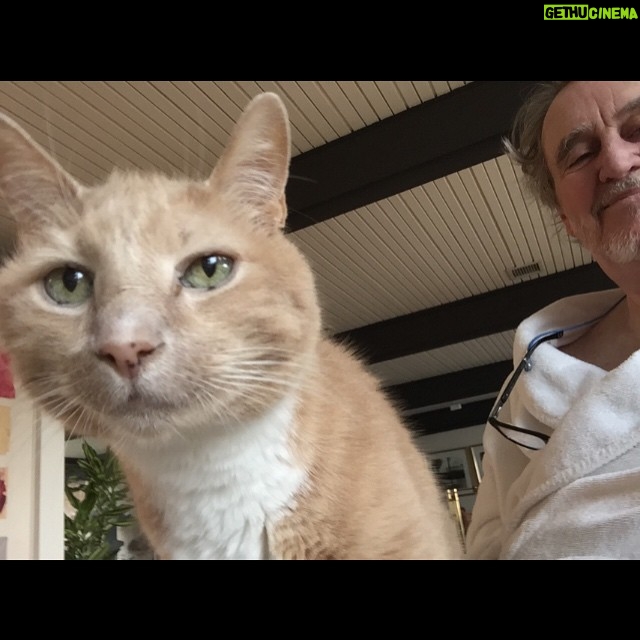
(525, 363)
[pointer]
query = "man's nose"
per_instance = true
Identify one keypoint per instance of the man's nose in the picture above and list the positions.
(618, 157)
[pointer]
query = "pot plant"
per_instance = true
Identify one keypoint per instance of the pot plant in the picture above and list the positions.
(99, 501)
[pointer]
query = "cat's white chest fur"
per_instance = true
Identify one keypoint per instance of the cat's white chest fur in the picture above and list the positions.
(220, 493)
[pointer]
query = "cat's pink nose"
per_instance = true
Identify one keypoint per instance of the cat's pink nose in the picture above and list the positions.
(127, 358)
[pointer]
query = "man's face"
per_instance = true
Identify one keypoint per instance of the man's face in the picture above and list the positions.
(591, 142)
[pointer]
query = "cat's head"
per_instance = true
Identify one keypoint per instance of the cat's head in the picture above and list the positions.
(146, 302)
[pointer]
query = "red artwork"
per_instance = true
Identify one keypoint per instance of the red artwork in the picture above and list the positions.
(3, 494)
(7, 389)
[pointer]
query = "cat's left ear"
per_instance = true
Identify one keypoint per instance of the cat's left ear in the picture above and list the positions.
(32, 183)
(254, 167)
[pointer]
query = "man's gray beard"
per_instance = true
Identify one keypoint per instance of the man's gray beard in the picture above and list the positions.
(622, 248)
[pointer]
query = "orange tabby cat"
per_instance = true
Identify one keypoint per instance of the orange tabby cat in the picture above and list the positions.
(174, 319)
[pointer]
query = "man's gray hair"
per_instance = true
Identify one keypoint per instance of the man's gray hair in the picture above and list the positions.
(525, 143)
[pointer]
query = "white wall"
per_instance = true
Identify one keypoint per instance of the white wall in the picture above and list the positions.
(454, 439)
(32, 524)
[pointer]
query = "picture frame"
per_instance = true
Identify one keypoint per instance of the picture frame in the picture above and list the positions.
(453, 468)
(477, 453)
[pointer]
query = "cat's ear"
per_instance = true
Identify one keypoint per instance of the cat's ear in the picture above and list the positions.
(254, 167)
(32, 183)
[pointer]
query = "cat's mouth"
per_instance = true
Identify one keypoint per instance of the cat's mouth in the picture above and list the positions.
(137, 400)
(137, 403)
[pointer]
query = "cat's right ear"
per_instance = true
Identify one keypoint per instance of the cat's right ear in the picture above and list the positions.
(32, 183)
(254, 167)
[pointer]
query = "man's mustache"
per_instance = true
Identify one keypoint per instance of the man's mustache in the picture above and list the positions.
(612, 191)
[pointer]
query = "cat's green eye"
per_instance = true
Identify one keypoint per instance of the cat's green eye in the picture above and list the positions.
(207, 272)
(68, 286)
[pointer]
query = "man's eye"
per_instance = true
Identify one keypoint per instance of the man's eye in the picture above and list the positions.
(578, 159)
(634, 135)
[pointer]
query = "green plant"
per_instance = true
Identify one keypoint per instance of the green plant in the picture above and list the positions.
(97, 492)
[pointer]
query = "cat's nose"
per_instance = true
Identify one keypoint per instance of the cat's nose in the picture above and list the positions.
(127, 358)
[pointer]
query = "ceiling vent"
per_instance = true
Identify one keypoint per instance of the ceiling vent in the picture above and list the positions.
(527, 270)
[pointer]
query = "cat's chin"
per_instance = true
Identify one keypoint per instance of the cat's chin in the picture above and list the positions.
(157, 422)
(141, 424)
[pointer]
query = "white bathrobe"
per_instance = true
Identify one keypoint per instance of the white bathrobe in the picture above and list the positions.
(579, 496)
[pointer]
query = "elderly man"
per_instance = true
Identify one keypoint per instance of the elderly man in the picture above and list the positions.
(562, 455)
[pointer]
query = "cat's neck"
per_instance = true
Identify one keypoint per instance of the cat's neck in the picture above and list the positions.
(217, 494)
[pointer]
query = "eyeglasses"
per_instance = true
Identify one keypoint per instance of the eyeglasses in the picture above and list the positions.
(523, 437)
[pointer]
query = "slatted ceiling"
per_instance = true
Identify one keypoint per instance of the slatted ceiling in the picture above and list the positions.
(480, 215)
(392, 95)
(517, 203)
(21, 106)
(549, 228)
(218, 121)
(199, 148)
(408, 92)
(318, 127)
(304, 126)
(80, 144)
(425, 91)
(164, 127)
(430, 257)
(358, 99)
(389, 251)
(334, 271)
(126, 147)
(541, 233)
(497, 216)
(136, 129)
(365, 272)
(544, 227)
(435, 247)
(378, 270)
(337, 93)
(504, 209)
(432, 284)
(376, 230)
(72, 124)
(449, 225)
(198, 107)
(224, 110)
(444, 86)
(555, 236)
(402, 258)
(192, 112)
(436, 362)
(237, 97)
(375, 98)
(378, 266)
(317, 103)
(452, 191)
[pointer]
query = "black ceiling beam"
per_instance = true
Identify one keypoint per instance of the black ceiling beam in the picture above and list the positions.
(423, 143)
(451, 387)
(472, 317)
(469, 415)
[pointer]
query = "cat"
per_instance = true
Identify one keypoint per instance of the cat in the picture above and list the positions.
(174, 319)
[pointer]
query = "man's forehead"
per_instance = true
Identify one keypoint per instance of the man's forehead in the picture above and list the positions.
(584, 105)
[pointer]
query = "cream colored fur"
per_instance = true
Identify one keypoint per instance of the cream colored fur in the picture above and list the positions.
(243, 432)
